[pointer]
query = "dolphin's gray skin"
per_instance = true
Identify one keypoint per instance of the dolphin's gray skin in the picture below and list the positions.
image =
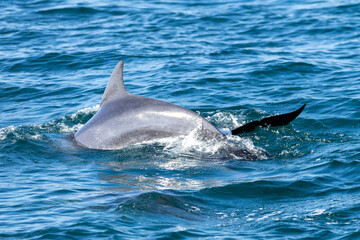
(125, 119)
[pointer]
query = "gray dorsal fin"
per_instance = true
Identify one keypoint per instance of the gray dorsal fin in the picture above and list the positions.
(115, 86)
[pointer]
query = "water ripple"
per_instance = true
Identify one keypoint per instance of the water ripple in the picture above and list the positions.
(231, 62)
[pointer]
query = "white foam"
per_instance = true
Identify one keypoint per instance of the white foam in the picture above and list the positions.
(65, 124)
(36, 136)
(86, 111)
(317, 212)
(226, 119)
(193, 142)
(69, 129)
(5, 131)
(18, 133)
(198, 143)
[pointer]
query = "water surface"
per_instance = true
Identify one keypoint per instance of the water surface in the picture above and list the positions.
(229, 61)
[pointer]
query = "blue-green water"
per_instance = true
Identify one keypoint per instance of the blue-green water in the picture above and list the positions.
(229, 61)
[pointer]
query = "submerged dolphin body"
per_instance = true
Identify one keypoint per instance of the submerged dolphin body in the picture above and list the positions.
(125, 119)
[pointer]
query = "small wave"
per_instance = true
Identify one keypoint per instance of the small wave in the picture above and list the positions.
(163, 203)
(272, 68)
(274, 189)
(72, 123)
(69, 10)
(13, 133)
(66, 124)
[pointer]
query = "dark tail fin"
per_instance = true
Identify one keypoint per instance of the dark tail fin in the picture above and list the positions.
(274, 121)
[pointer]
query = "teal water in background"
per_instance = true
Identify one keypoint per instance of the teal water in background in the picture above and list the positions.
(229, 61)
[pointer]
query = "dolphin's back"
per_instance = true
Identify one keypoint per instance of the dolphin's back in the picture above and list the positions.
(125, 119)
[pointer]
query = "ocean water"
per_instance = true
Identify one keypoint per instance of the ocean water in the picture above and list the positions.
(231, 62)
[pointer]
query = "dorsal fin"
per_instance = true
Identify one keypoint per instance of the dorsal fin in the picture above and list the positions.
(115, 86)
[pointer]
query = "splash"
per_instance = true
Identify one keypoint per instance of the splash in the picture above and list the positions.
(71, 123)
(206, 144)
(198, 143)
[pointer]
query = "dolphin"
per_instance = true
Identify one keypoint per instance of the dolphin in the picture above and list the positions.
(126, 119)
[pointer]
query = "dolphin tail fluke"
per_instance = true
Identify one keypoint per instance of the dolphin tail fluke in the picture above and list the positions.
(273, 121)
